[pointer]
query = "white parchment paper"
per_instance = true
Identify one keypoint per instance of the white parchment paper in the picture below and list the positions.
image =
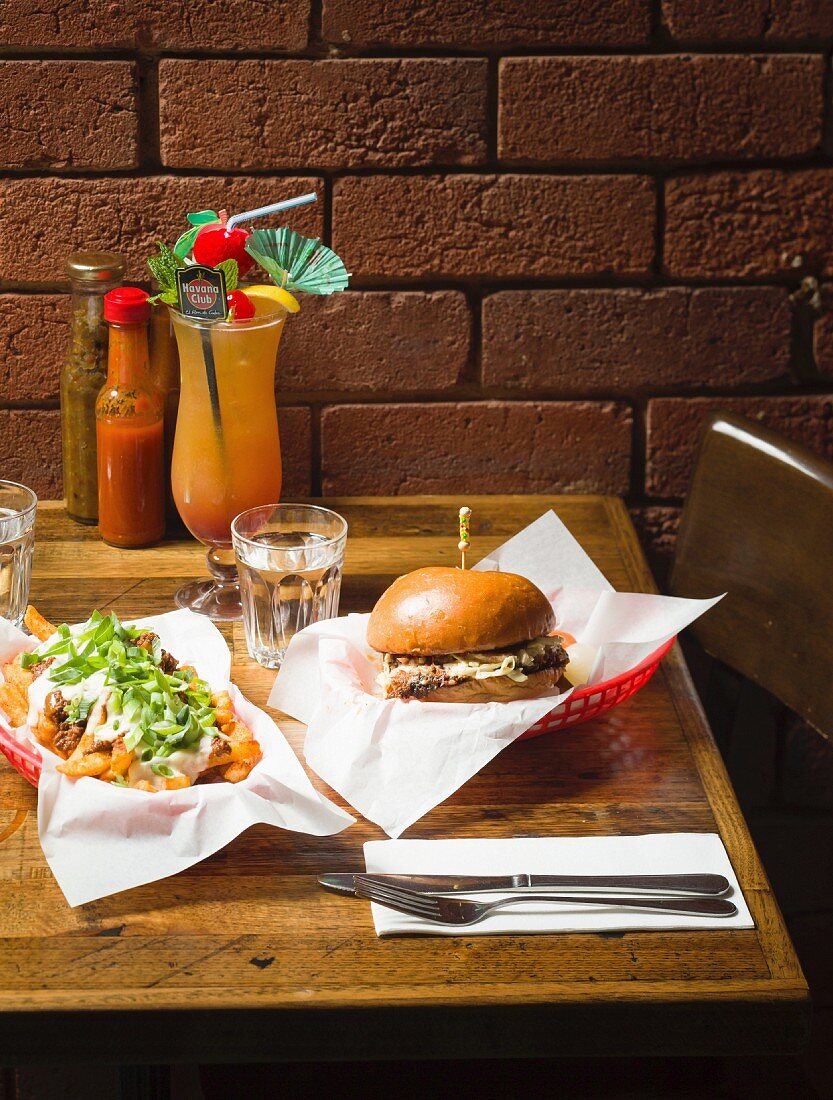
(99, 839)
(394, 760)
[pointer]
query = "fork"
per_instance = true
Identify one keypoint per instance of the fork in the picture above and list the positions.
(461, 911)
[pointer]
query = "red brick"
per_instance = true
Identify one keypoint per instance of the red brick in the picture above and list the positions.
(34, 333)
(657, 527)
(30, 449)
(156, 24)
(288, 114)
(295, 426)
(674, 426)
(750, 224)
(42, 220)
(742, 20)
(575, 109)
(377, 342)
(494, 447)
(823, 334)
(580, 342)
(69, 114)
(493, 226)
(456, 23)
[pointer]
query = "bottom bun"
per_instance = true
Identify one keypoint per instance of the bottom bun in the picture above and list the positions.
(496, 689)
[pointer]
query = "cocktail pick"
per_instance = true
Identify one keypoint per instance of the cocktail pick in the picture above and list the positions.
(463, 544)
(297, 262)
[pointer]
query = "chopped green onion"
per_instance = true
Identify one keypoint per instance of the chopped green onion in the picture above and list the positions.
(163, 770)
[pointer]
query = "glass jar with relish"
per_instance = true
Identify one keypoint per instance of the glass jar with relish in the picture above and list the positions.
(91, 275)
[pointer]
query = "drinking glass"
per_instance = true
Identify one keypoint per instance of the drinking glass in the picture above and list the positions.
(227, 453)
(17, 541)
(289, 557)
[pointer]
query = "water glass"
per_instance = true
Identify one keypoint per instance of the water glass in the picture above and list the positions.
(289, 561)
(17, 542)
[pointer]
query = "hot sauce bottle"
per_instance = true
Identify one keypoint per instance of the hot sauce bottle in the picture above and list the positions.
(130, 429)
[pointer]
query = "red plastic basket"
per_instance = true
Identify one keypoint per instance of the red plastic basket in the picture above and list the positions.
(590, 702)
(584, 704)
(22, 757)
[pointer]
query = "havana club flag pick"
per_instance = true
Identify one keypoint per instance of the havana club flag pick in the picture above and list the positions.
(394, 760)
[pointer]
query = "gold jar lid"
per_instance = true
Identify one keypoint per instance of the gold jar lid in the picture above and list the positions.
(95, 267)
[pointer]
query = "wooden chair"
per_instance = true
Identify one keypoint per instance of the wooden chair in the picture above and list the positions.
(758, 525)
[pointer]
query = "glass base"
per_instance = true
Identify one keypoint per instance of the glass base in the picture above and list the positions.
(218, 598)
(217, 601)
(268, 658)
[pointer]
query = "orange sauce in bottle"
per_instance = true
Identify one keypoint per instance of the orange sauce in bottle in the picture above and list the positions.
(130, 430)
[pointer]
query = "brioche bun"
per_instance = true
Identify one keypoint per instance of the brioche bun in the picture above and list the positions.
(440, 610)
(496, 689)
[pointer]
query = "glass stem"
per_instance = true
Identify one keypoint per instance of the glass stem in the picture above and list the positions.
(222, 567)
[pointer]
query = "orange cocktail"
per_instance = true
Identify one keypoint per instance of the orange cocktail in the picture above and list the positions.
(227, 455)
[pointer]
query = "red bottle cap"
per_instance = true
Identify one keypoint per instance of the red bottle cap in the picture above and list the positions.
(126, 305)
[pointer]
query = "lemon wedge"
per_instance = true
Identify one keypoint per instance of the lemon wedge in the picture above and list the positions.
(274, 294)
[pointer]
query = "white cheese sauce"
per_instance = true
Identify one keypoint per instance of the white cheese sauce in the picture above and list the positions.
(190, 762)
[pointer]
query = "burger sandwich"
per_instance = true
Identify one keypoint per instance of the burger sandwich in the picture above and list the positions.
(466, 636)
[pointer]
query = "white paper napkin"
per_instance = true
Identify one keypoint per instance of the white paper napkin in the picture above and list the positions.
(394, 760)
(99, 839)
(655, 854)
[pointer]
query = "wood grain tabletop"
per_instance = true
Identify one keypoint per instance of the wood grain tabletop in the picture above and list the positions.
(244, 957)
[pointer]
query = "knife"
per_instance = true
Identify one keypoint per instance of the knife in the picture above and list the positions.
(705, 885)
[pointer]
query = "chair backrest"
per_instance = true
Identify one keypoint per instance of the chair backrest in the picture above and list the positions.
(758, 525)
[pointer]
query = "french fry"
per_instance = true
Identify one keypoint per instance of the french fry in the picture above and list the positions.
(221, 753)
(14, 673)
(45, 731)
(36, 624)
(15, 702)
(240, 768)
(223, 709)
(121, 757)
(176, 782)
(143, 785)
(85, 760)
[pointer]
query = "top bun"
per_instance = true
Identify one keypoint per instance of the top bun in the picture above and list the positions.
(441, 610)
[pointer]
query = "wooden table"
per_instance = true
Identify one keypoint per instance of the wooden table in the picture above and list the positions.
(244, 957)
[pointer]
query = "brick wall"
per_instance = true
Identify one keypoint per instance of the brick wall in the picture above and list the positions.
(575, 227)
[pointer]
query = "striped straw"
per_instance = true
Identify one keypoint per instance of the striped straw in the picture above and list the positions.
(273, 208)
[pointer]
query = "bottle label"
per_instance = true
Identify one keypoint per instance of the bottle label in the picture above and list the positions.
(202, 293)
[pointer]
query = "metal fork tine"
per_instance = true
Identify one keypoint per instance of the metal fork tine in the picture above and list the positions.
(420, 904)
(417, 900)
(402, 905)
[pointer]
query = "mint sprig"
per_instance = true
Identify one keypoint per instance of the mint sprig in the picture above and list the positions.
(230, 270)
(164, 268)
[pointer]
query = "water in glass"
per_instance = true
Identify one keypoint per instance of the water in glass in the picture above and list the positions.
(288, 580)
(17, 540)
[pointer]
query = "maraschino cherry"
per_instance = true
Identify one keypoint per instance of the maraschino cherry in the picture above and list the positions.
(241, 304)
(214, 243)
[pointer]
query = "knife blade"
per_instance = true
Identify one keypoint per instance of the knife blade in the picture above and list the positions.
(698, 885)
